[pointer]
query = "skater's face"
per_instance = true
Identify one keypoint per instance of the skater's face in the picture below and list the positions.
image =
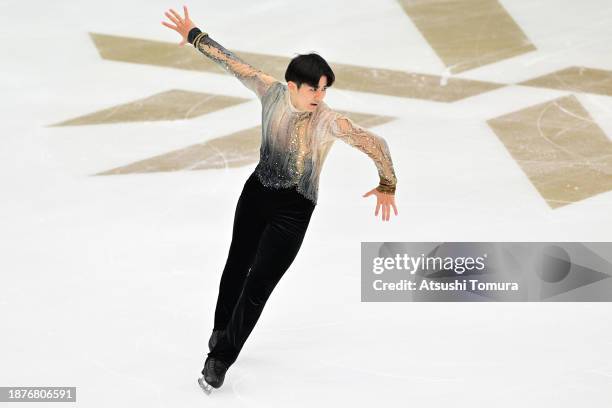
(307, 97)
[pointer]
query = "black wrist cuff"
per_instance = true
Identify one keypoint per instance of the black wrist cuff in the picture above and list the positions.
(192, 34)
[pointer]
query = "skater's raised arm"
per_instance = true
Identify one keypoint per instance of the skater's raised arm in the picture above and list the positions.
(377, 149)
(254, 79)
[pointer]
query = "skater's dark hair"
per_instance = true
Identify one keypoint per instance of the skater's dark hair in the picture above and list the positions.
(308, 69)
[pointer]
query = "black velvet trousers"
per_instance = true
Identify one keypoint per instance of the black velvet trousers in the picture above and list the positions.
(269, 227)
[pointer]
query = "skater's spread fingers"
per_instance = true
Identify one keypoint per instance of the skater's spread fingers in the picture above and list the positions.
(172, 18)
(186, 12)
(170, 26)
(383, 204)
(177, 15)
(377, 208)
(394, 207)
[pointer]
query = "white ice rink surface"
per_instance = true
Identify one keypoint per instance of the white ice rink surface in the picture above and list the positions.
(109, 282)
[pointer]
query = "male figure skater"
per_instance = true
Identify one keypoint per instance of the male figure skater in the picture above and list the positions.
(277, 201)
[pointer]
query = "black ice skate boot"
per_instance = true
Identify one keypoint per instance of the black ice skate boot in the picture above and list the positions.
(213, 374)
(214, 338)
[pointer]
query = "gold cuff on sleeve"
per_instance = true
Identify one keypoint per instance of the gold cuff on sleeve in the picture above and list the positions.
(198, 38)
(386, 187)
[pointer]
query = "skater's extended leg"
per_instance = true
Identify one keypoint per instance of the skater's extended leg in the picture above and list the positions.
(249, 222)
(278, 247)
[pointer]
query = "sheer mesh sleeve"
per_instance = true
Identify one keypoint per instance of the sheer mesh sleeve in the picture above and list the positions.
(254, 79)
(374, 146)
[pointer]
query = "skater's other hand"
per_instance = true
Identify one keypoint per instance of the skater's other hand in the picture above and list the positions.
(182, 25)
(384, 200)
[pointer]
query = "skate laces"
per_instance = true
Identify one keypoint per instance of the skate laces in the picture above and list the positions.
(216, 365)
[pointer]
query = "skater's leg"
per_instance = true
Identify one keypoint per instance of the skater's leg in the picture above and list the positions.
(278, 247)
(249, 221)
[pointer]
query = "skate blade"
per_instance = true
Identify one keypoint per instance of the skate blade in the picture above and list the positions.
(207, 388)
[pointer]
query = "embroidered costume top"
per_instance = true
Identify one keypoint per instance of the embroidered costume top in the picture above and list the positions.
(295, 143)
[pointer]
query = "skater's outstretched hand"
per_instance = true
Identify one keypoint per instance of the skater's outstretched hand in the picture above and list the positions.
(384, 200)
(182, 25)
